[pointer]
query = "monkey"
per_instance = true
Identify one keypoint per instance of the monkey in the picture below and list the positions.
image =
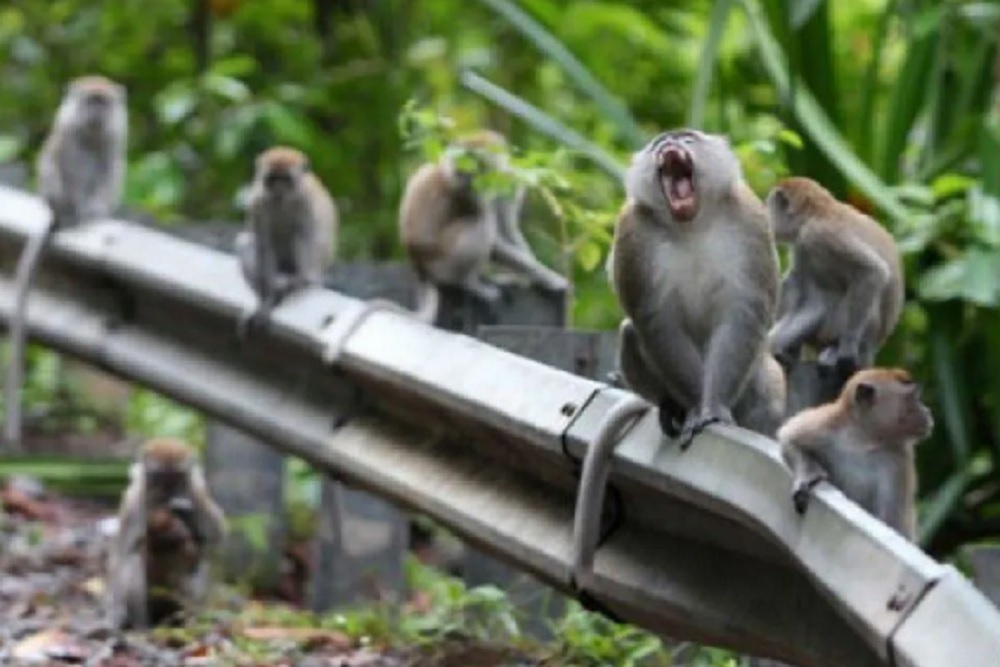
(290, 240)
(169, 525)
(81, 174)
(863, 444)
(844, 292)
(695, 269)
(451, 231)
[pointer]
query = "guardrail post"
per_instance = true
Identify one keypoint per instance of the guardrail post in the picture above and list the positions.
(984, 563)
(247, 479)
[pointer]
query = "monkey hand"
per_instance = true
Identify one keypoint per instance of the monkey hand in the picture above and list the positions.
(698, 420)
(803, 490)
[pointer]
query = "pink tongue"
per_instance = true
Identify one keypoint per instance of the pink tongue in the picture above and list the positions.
(682, 187)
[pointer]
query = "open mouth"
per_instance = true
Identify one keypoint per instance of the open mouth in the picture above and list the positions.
(677, 180)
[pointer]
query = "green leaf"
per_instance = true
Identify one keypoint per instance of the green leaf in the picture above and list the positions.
(545, 42)
(288, 127)
(706, 65)
(973, 277)
(10, 147)
(175, 104)
(589, 256)
(226, 87)
(237, 67)
(816, 123)
(791, 138)
(947, 185)
(802, 11)
(542, 122)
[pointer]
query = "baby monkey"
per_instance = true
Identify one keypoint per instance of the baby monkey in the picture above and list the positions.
(291, 232)
(158, 565)
(451, 231)
(81, 173)
(844, 292)
(863, 444)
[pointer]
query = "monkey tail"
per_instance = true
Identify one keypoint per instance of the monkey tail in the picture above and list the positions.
(27, 266)
(428, 301)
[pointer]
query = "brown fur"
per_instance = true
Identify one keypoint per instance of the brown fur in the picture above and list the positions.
(863, 443)
(835, 246)
(168, 526)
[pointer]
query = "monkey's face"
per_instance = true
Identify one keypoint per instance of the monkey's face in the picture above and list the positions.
(682, 170)
(98, 105)
(892, 405)
(281, 171)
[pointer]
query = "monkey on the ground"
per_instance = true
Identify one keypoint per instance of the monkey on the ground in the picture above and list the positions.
(451, 231)
(169, 525)
(843, 294)
(291, 231)
(81, 173)
(862, 443)
(695, 269)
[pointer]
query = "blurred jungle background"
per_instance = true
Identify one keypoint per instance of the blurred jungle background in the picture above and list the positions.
(892, 104)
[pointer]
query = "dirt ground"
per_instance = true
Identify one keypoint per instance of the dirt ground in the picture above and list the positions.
(51, 588)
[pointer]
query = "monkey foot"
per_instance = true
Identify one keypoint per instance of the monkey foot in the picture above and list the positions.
(693, 427)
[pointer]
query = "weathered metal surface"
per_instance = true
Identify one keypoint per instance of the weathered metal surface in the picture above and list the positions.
(984, 563)
(953, 625)
(589, 354)
(473, 437)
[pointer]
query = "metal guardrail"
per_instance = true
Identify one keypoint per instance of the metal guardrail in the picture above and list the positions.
(701, 545)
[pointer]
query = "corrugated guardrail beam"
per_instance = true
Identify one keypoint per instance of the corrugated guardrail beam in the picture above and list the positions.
(705, 545)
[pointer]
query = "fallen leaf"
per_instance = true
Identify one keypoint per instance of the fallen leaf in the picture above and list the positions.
(47, 645)
(16, 501)
(94, 586)
(305, 635)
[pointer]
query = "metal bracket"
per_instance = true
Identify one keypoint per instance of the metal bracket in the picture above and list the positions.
(593, 485)
(335, 335)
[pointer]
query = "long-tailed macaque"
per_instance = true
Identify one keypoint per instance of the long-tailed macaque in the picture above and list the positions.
(451, 231)
(158, 564)
(81, 174)
(844, 292)
(695, 269)
(863, 444)
(291, 231)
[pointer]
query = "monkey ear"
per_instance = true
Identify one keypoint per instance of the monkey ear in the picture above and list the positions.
(864, 394)
(780, 198)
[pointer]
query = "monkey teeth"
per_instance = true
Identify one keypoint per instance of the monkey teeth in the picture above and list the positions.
(677, 177)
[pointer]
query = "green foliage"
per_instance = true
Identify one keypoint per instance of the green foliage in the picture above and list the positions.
(151, 414)
(890, 103)
(589, 639)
